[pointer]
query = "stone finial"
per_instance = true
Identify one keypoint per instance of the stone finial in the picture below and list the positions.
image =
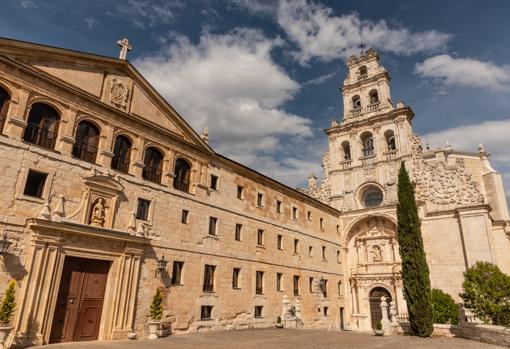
(334, 123)
(448, 146)
(131, 228)
(482, 152)
(400, 105)
(205, 134)
(312, 181)
(45, 212)
(58, 213)
(124, 48)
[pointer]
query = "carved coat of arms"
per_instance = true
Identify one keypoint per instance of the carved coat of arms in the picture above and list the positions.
(119, 93)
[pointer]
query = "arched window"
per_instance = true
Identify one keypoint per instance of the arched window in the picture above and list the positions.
(42, 126)
(390, 140)
(363, 71)
(153, 161)
(121, 154)
(356, 102)
(182, 174)
(368, 144)
(86, 141)
(374, 97)
(372, 197)
(4, 105)
(346, 148)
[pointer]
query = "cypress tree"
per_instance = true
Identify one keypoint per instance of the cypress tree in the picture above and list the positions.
(415, 271)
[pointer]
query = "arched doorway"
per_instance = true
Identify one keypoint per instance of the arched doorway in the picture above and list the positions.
(375, 304)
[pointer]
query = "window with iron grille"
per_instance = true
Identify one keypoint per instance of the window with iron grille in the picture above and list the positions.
(121, 154)
(258, 311)
(213, 223)
(260, 199)
(42, 126)
(235, 277)
(206, 312)
(259, 283)
(296, 285)
(177, 272)
(153, 165)
(184, 216)
(34, 185)
(142, 211)
(209, 278)
(239, 227)
(260, 237)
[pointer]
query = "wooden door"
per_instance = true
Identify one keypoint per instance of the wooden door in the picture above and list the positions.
(80, 300)
(375, 304)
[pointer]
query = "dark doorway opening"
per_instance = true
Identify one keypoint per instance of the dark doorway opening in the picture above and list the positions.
(375, 304)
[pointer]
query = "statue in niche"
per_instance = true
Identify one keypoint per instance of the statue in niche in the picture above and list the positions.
(98, 213)
(376, 254)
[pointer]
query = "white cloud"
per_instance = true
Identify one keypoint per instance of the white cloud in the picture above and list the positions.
(465, 72)
(148, 13)
(320, 79)
(493, 135)
(231, 84)
(28, 4)
(320, 34)
(256, 7)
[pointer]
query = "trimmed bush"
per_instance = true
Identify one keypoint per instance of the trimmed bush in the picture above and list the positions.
(156, 309)
(415, 270)
(487, 293)
(8, 303)
(444, 309)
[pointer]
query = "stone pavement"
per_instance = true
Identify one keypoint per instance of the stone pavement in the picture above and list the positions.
(281, 339)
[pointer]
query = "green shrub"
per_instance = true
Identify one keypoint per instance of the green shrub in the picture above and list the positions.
(156, 309)
(487, 293)
(444, 309)
(278, 320)
(8, 303)
(378, 326)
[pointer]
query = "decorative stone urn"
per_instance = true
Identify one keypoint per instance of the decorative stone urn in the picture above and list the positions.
(5, 330)
(154, 326)
(379, 332)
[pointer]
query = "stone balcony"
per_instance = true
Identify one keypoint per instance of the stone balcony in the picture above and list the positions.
(391, 154)
(346, 164)
(373, 106)
(368, 160)
(355, 111)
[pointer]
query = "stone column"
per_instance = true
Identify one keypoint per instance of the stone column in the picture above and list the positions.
(137, 157)
(385, 322)
(66, 131)
(393, 314)
(285, 308)
(105, 147)
(16, 123)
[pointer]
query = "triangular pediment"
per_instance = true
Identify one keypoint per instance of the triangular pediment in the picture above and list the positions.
(111, 81)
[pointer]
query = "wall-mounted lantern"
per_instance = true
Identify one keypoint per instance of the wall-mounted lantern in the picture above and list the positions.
(322, 285)
(4, 244)
(161, 265)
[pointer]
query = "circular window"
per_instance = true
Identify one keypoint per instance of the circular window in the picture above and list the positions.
(372, 197)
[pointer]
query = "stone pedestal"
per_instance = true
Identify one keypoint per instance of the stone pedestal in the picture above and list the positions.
(385, 322)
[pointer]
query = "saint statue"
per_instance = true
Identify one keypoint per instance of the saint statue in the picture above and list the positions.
(98, 214)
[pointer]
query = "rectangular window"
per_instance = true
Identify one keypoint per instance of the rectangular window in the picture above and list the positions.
(340, 288)
(260, 199)
(338, 257)
(310, 285)
(260, 237)
(209, 278)
(296, 246)
(321, 223)
(279, 281)
(259, 283)
(177, 272)
(325, 288)
(142, 211)
(258, 311)
(296, 285)
(326, 311)
(34, 185)
(239, 227)
(280, 242)
(294, 212)
(206, 312)
(309, 215)
(235, 277)
(214, 182)
(240, 192)
(184, 216)
(310, 251)
(323, 252)
(213, 222)
(278, 206)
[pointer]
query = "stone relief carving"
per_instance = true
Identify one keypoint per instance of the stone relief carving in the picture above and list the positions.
(119, 93)
(98, 213)
(441, 184)
(376, 253)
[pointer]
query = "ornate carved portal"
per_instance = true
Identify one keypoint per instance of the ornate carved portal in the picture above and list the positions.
(373, 263)
(375, 304)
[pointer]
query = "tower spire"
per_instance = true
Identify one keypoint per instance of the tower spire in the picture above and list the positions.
(361, 45)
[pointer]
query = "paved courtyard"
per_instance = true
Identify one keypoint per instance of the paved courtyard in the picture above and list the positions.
(282, 339)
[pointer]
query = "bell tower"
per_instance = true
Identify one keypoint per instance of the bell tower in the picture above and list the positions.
(368, 145)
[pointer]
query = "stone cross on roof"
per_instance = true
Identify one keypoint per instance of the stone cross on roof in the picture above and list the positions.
(124, 48)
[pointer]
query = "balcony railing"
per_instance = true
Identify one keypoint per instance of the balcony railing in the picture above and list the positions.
(120, 164)
(85, 152)
(368, 160)
(152, 174)
(391, 154)
(363, 77)
(181, 185)
(346, 164)
(373, 106)
(40, 136)
(355, 111)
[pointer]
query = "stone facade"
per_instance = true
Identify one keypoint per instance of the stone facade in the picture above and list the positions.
(461, 198)
(98, 167)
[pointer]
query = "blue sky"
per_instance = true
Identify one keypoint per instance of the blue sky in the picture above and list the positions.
(264, 75)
